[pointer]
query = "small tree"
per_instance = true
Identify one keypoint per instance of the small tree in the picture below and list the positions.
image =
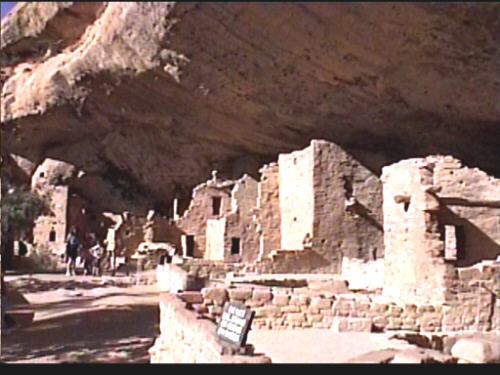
(19, 210)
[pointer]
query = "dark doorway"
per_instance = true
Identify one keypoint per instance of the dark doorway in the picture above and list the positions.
(235, 246)
(189, 245)
(52, 236)
(216, 203)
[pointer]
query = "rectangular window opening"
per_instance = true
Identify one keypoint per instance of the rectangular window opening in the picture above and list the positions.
(235, 246)
(52, 236)
(189, 245)
(216, 204)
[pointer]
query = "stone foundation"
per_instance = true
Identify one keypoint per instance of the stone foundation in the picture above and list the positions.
(185, 337)
(332, 305)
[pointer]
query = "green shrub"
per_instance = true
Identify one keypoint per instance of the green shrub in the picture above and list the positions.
(19, 210)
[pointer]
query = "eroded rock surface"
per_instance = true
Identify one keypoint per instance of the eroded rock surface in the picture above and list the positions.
(148, 98)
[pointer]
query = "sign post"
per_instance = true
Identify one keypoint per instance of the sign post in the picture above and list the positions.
(234, 324)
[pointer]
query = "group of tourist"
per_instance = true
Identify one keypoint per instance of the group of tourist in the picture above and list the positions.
(91, 255)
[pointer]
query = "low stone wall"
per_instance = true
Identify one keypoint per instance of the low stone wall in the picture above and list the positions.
(473, 301)
(476, 307)
(473, 305)
(204, 268)
(187, 338)
(173, 278)
(293, 261)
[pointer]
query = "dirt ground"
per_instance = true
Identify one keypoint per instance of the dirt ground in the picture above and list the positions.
(108, 319)
(81, 319)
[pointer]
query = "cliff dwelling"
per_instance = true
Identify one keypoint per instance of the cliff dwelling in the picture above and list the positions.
(438, 216)
(302, 169)
(318, 202)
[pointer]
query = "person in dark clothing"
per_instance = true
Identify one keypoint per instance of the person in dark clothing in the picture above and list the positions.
(86, 255)
(72, 245)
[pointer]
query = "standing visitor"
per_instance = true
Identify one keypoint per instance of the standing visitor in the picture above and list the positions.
(72, 245)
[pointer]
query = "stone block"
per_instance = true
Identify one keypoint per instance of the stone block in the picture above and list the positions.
(476, 350)
(327, 312)
(394, 310)
(379, 308)
(299, 299)
(362, 307)
(216, 295)
(281, 299)
(410, 325)
(191, 297)
(239, 294)
(321, 303)
(333, 286)
(314, 318)
(394, 323)
(290, 309)
(490, 272)
(262, 295)
(296, 317)
(311, 310)
(268, 312)
(469, 273)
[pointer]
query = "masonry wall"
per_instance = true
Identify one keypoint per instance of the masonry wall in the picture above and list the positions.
(476, 307)
(296, 194)
(185, 338)
(216, 233)
(414, 267)
(242, 222)
(194, 220)
(471, 200)
(269, 215)
(421, 196)
(56, 221)
(238, 224)
(341, 230)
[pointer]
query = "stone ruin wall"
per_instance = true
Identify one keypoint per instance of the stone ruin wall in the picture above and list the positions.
(339, 231)
(194, 220)
(268, 209)
(413, 270)
(242, 222)
(472, 201)
(330, 304)
(55, 221)
(420, 197)
(298, 204)
(315, 185)
(185, 338)
(296, 196)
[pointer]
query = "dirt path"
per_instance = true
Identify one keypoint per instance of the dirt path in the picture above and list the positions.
(83, 319)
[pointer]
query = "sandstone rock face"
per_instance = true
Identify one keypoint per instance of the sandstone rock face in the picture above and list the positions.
(148, 98)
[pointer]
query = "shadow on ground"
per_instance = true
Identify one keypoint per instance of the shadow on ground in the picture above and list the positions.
(34, 285)
(107, 335)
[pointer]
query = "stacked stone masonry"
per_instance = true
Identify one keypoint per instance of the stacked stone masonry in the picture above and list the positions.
(185, 337)
(476, 307)
(438, 217)
(319, 201)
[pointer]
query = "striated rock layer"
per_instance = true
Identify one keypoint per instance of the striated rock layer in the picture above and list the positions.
(147, 98)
